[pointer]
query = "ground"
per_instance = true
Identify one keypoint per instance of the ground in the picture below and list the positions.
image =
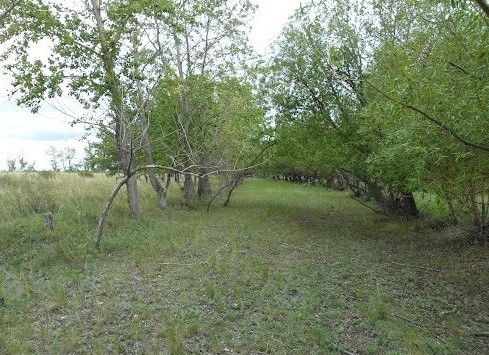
(285, 269)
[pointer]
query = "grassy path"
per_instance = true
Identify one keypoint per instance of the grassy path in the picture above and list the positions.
(286, 269)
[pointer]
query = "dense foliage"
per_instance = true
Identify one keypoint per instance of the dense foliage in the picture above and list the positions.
(389, 97)
(385, 98)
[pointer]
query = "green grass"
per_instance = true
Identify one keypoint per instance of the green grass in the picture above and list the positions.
(285, 269)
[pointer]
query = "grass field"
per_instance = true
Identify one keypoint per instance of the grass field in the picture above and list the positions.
(285, 269)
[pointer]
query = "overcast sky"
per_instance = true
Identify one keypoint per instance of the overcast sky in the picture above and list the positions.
(31, 135)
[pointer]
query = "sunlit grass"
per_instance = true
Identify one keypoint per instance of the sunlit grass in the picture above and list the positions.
(284, 269)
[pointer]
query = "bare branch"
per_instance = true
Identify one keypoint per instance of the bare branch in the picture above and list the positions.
(105, 211)
(370, 207)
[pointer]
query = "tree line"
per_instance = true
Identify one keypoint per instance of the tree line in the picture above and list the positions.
(384, 98)
(388, 99)
(165, 84)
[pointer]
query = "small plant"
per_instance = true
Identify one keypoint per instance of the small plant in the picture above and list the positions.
(381, 306)
(265, 273)
(376, 308)
(192, 329)
(210, 290)
(174, 340)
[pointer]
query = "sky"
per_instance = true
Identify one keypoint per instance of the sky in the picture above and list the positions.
(30, 135)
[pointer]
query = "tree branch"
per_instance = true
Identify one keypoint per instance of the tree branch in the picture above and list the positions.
(484, 6)
(370, 207)
(322, 106)
(9, 9)
(432, 119)
(115, 191)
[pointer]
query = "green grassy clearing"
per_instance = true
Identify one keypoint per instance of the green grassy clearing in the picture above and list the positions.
(285, 269)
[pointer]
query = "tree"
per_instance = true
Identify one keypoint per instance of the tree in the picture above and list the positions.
(89, 60)
(11, 165)
(23, 164)
(206, 43)
(317, 85)
(53, 156)
(427, 94)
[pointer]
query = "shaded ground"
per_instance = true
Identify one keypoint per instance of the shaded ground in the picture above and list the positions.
(285, 269)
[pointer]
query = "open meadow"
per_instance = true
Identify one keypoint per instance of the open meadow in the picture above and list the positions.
(284, 269)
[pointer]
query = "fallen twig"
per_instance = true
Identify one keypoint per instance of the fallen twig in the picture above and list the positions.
(481, 335)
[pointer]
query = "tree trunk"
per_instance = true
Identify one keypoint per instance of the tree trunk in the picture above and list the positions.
(155, 183)
(188, 189)
(188, 185)
(122, 134)
(131, 184)
(484, 6)
(235, 182)
(148, 152)
(408, 205)
(133, 196)
(375, 192)
(479, 209)
(204, 189)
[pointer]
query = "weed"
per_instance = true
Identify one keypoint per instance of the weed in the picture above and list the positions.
(210, 290)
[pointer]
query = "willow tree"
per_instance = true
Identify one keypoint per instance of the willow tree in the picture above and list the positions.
(317, 85)
(428, 96)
